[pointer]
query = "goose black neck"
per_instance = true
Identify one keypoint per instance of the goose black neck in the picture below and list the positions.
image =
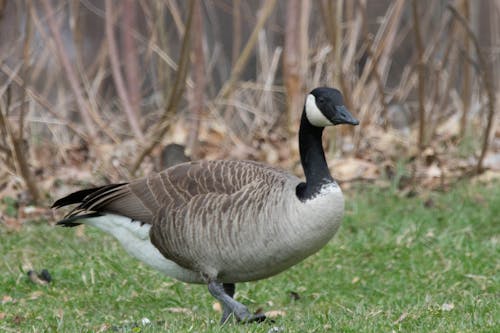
(313, 160)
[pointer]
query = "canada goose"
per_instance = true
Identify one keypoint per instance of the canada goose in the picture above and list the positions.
(223, 222)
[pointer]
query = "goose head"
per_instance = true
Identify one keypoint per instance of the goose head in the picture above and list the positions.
(325, 107)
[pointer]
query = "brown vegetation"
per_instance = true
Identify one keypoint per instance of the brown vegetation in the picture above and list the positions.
(227, 79)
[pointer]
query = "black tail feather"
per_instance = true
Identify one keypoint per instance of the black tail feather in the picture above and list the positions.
(72, 221)
(95, 198)
(79, 196)
(89, 203)
(73, 198)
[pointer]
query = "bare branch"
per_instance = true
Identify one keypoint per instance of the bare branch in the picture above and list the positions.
(488, 85)
(68, 68)
(466, 70)
(421, 75)
(197, 102)
(42, 101)
(265, 12)
(130, 50)
(19, 154)
(117, 75)
(175, 94)
(236, 30)
(292, 71)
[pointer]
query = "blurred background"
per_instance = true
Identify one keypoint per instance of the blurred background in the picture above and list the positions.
(96, 91)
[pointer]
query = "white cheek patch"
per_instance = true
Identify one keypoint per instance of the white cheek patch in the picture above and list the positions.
(314, 115)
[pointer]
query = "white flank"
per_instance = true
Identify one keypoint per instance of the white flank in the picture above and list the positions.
(314, 114)
(134, 237)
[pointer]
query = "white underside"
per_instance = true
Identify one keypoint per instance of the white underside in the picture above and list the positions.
(134, 237)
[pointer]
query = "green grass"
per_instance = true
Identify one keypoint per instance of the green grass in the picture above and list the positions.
(397, 264)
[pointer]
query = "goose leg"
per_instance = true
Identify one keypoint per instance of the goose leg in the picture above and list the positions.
(229, 305)
(229, 288)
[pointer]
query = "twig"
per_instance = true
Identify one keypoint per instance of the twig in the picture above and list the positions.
(265, 12)
(28, 31)
(197, 102)
(175, 94)
(19, 154)
(236, 10)
(488, 85)
(176, 14)
(131, 61)
(151, 45)
(292, 74)
(42, 101)
(466, 70)
(8, 160)
(117, 75)
(68, 68)
(77, 27)
(421, 75)
(381, 50)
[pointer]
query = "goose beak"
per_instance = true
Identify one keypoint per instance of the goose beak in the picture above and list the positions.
(343, 116)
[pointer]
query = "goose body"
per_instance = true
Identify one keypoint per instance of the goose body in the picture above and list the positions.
(222, 222)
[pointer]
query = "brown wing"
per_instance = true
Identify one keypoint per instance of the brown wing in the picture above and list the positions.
(169, 190)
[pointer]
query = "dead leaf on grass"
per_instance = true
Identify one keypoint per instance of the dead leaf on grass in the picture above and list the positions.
(33, 213)
(103, 328)
(17, 319)
(11, 223)
(275, 314)
(447, 306)
(401, 318)
(35, 295)
(180, 310)
(217, 307)
(7, 299)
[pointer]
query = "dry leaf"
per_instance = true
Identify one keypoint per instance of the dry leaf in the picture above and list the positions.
(11, 223)
(7, 299)
(275, 314)
(276, 329)
(35, 295)
(103, 328)
(217, 307)
(401, 318)
(145, 321)
(447, 306)
(433, 171)
(487, 177)
(179, 310)
(33, 212)
(450, 128)
(349, 169)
